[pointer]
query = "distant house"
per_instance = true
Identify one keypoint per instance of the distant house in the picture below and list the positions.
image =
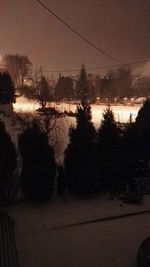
(94, 85)
(109, 87)
(94, 82)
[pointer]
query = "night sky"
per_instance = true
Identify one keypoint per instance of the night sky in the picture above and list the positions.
(120, 27)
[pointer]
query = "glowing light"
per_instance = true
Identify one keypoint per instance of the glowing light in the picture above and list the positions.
(25, 105)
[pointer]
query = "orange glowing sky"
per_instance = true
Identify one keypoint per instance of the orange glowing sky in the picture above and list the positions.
(121, 27)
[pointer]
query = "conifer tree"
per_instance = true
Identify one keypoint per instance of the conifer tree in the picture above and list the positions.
(108, 148)
(8, 163)
(7, 90)
(43, 91)
(143, 129)
(38, 163)
(64, 88)
(79, 155)
(82, 85)
(130, 155)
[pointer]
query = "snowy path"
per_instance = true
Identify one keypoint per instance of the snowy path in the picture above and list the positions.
(111, 243)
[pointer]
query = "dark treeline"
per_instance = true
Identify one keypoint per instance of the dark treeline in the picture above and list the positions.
(112, 159)
(7, 89)
(112, 87)
(102, 161)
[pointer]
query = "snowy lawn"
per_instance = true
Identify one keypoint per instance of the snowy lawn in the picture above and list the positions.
(111, 243)
(122, 112)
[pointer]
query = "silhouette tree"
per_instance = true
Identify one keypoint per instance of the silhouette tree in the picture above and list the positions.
(79, 155)
(38, 163)
(64, 88)
(143, 129)
(130, 155)
(82, 85)
(108, 147)
(43, 92)
(7, 91)
(8, 163)
(19, 67)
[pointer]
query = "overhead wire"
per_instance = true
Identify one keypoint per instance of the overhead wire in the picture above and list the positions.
(100, 68)
(78, 34)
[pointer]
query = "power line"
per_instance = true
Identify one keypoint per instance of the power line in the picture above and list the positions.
(79, 34)
(138, 62)
(100, 68)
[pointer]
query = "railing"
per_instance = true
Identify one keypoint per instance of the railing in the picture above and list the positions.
(8, 252)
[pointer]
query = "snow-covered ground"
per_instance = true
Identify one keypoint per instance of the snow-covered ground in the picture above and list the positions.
(111, 243)
(24, 104)
(60, 133)
(122, 113)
